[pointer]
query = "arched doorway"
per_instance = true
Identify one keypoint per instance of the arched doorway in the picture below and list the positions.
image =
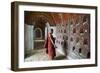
(38, 33)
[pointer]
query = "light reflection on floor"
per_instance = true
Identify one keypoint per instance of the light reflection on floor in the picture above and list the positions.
(40, 55)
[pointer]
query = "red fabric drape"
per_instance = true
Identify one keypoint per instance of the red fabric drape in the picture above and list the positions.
(50, 49)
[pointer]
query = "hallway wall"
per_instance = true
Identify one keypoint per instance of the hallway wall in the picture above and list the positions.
(29, 44)
(74, 36)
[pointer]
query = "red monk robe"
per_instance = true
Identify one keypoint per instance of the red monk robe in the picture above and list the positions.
(49, 45)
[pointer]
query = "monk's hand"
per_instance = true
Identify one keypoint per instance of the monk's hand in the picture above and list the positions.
(55, 46)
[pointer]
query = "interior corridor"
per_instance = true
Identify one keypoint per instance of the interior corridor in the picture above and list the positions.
(71, 33)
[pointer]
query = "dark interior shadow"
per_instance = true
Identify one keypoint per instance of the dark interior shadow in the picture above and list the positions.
(62, 57)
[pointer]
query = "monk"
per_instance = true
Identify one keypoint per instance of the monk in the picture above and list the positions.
(50, 45)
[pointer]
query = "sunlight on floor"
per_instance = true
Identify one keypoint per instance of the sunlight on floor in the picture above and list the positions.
(40, 55)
